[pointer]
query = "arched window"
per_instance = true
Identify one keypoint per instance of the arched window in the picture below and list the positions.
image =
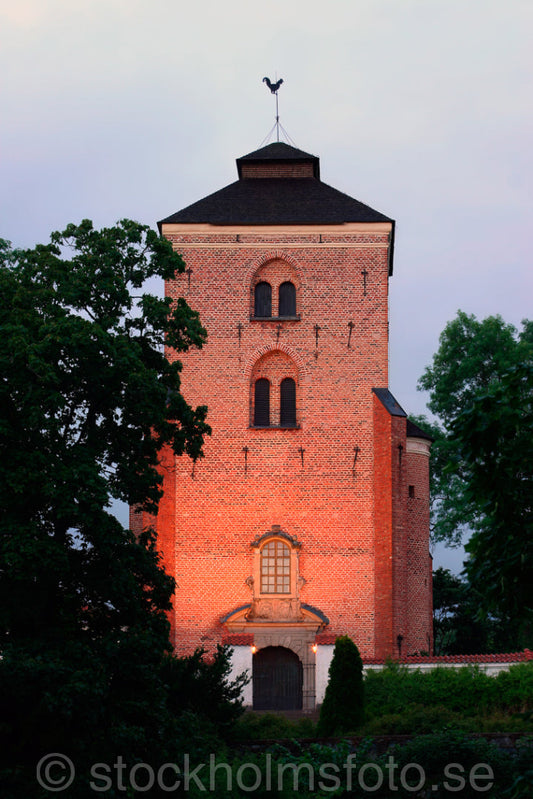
(275, 568)
(287, 299)
(287, 409)
(262, 403)
(263, 299)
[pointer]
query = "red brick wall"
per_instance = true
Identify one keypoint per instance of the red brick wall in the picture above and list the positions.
(383, 521)
(220, 509)
(349, 520)
(403, 565)
(419, 624)
(277, 170)
(399, 597)
(389, 511)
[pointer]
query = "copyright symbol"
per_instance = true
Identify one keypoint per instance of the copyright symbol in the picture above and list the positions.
(55, 772)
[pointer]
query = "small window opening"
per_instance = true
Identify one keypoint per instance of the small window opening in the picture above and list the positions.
(287, 403)
(411, 491)
(262, 403)
(287, 299)
(263, 299)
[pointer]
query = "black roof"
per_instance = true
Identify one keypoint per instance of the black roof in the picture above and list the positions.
(278, 151)
(414, 431)
(277, 200)
(389, 402)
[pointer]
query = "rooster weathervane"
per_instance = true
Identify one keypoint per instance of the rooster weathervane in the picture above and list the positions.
(274, 88)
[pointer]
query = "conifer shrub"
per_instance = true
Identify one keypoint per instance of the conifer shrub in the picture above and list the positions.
(343, 707)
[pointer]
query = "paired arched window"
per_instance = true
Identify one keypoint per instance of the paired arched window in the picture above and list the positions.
(263, 300)
(275, 568)
(287, 407)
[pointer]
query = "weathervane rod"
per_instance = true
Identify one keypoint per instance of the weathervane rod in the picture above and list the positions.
(274, 88)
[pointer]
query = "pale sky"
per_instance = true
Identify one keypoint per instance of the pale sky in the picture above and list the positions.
(421, 109)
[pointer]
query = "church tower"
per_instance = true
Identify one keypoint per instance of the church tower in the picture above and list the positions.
(308, 518)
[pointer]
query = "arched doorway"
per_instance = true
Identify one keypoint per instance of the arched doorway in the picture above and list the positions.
(277, 679)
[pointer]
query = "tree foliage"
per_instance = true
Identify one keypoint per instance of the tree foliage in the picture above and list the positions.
(496, 435)
(343, 706)
(87, 399)
(481, 386)
(457, 629)
(473, 355)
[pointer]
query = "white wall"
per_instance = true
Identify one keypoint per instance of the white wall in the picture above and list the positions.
(324, 655)
(241, 660)
(489, 668)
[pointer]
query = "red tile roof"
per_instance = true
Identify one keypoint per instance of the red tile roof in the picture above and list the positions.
(461, 660)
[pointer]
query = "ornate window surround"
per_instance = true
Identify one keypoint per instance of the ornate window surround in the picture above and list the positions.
(258, 545)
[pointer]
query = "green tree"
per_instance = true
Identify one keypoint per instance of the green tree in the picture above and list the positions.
(496, 435)
(448, 598)
(87, 400)
(457, 629)
(343, 706)
(472, 356)
(480, 388)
